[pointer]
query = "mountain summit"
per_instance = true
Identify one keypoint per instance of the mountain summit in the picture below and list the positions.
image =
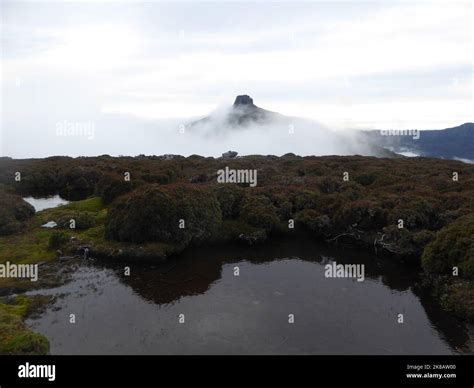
(245, 112)
(244, 100)
(241, 114)
(245, 126)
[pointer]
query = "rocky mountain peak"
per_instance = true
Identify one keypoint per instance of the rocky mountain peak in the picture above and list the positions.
(243, 100)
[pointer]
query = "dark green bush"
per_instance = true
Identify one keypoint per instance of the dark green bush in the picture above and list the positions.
(108, 188)
(57, 240)
(83, 220)
(453, 246)
(14, 211)
(363, 214)
(304, 199)
(284, 207)
(258, 211)
(329, 185)
(230, 199)
(313, 221)
(366, 179)
(153, 214)
(78, 184)
(416, 213)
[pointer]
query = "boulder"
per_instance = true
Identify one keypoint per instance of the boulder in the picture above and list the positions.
(229, 154)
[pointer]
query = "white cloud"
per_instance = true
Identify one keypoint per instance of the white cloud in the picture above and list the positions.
(158, 60)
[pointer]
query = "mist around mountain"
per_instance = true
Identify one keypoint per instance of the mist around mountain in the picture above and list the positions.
(450, 143)
(242, 113)
(244, 120)
(246, 126)
(242, 126)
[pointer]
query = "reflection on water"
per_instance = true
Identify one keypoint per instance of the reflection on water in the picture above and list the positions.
(248, 314)
(46, 202)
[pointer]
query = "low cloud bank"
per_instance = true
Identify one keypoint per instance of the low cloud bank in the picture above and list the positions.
(115, 135)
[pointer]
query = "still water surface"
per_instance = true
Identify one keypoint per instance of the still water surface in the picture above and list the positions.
(46, 202)
(248, 314)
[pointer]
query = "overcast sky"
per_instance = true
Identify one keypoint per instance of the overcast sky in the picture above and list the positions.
(381, 65)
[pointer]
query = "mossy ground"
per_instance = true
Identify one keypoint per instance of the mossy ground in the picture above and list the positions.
(15, 337)
(31, 246)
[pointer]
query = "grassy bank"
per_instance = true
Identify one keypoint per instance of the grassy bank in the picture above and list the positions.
(33, 246)
(15, 337)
